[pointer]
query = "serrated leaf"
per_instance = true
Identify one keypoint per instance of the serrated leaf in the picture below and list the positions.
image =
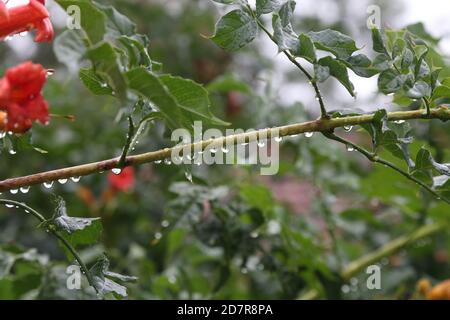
(235, 30)
(192, 99)
(94, 83)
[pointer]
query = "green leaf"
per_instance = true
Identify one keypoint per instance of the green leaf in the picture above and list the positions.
(441, 92)
(93, 19)
(321, 73)
(286, 12)
(192, 98)
(267, 6)
(339, 71)
(117, 24)
(235, 30)
(69, 48)
(390, 81)
(379, 41)
(94, 83)
(151, 87)
(362, 66)
(106, 64)
(100, 274)
(341, 45)
(307, 49)
(69, 224)
(284, 36)
(420, 90)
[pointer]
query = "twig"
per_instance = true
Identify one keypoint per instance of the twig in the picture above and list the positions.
(320, 125)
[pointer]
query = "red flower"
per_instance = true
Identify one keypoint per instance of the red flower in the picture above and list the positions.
(123, 181)
(21, 98)
(24, 18)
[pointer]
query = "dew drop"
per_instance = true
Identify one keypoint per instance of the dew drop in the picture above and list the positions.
(62, 181)
(48, 185)
(75, 179)
(165, 223)
(116, 170)
(25, 189)
(188, 176)
(14, 191)
(348, 128)
(309, 134)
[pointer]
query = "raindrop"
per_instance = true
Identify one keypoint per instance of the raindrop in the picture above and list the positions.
(75, 179)
(50, 72)
(348, 128)
(244, 144)
(309, 134)
(48, 185)
(261, 144)
(254, 234)
(158, 235)
(354, 281)
(188, 176)
(399, 121)
(116, 170)
(345, 288)
(213, 150)
(25, 189)
(158, 161)
(167, 161)
(278, 139)
(9, 205)
(14, 191)
(165, 223)
(2, 134)
(62, 181)
(225, 150)
(12, 151)
(350, 148)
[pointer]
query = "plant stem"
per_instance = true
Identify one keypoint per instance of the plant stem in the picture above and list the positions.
(390, 248)
(376, 159)
(58, 235)
(311, 79)
(320, 125)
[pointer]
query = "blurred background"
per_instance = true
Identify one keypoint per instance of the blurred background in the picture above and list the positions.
(233, 233)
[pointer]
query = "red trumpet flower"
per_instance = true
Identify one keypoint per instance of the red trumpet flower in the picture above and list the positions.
(24, 18)
(21, 101)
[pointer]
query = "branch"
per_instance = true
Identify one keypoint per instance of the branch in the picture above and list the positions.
(376, 159)
(319, 125)
(386, 250)
(291, 58)
(58, 235)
